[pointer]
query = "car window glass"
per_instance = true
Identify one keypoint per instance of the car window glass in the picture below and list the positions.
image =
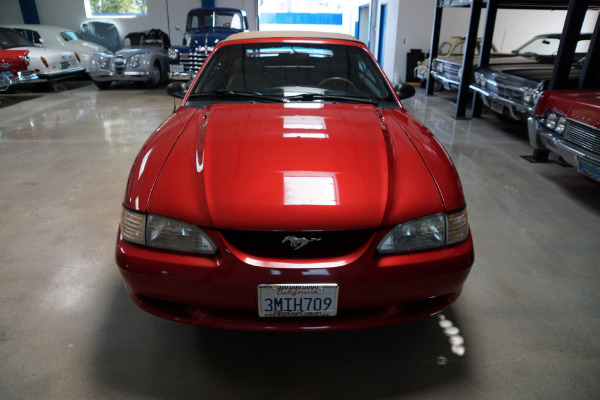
(541, 46)
(582, 46)
(444, 49)
(282, 69)
(69, 35)
(10, 39)
(225, 20)
(458, 50)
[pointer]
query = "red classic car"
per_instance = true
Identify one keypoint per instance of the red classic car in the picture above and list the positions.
(567, 123)
(292, 191)
(14, 66)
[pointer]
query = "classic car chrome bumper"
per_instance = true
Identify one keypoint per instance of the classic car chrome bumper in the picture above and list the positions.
(447, 82)
(180, 76)
(492, 101)
(125, 76)
(52, 76)
(578, 157)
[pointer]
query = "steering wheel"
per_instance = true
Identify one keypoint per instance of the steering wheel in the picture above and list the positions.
(334, 79)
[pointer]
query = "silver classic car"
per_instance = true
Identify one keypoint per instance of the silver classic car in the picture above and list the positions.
(142, 58)
(511, 86)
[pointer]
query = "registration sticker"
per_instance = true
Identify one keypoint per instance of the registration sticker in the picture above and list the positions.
(297, 300)
(589, 168)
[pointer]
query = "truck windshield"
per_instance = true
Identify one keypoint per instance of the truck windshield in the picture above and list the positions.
(212, 19)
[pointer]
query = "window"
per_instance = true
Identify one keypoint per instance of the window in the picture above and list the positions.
(108, 8)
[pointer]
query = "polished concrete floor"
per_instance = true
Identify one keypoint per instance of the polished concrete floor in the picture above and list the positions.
(526, 327)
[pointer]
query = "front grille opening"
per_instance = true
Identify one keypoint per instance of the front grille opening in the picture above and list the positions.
(298, 245)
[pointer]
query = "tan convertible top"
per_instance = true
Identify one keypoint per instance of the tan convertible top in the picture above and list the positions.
(291, 35)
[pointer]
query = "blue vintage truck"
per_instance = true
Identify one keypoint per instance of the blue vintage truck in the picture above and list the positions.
(205, 27)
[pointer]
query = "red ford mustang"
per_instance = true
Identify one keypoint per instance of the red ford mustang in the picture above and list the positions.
(292, 191)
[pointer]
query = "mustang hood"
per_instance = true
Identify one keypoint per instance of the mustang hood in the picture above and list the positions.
(293, 167)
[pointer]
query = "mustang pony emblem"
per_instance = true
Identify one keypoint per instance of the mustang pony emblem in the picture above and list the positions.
(299, 242)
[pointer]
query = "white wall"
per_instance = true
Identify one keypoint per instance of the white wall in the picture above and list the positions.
(11, 12)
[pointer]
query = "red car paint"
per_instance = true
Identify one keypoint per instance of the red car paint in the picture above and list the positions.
(250, 168)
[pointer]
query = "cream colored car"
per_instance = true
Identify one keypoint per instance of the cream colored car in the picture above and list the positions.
(451, 47)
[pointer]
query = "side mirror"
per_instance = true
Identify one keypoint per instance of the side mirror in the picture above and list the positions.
(178, 89)
(404, 91)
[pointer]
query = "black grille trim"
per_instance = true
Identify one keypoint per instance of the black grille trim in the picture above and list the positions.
(320, 244)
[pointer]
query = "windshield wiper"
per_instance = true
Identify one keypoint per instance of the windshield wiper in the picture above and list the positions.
(246, 95)
(317, 96)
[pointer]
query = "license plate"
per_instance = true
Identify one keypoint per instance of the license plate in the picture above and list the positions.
(64, 65)
(176, 67)
(496, 106)
(589, 168)
(297, 300)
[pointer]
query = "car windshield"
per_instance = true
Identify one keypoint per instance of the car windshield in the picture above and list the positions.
(548, 46)
(294, 72)
(10, 39)
(212, 19)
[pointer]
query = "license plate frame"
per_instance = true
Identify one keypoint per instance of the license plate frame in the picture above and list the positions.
(176, 67)
(297, 300)
(589, 168)
(497, 106)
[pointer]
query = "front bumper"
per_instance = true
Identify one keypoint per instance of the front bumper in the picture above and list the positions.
(180, 76)
(221, 291)
(58, 75)
(110, 76)
(578, 157)
(447, 82)
(499, 104)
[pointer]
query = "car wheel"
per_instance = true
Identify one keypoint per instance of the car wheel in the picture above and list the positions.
(155, 76)
(103, 85)
(437, 85)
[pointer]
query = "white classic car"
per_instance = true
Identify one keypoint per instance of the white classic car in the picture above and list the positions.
(59, 38)
(48, 64)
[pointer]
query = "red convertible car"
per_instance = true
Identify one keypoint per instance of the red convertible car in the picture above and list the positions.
(14, 69)
(292, 191)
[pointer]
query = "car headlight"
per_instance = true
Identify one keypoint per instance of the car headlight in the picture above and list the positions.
(134, 61)
(173, 53)
(440, 67)
(164, 233)
(102, 62)
(551, 119)
(561, 124)
(530, 95)
(434, 231)
(480, 79)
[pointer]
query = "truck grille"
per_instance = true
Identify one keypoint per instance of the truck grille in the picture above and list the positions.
(583, 136)
(192, 62)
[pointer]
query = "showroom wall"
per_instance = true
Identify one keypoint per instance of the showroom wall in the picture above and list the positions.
(409, 23)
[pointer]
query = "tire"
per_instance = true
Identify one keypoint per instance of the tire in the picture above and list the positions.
(155, 76)
(103, 85)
